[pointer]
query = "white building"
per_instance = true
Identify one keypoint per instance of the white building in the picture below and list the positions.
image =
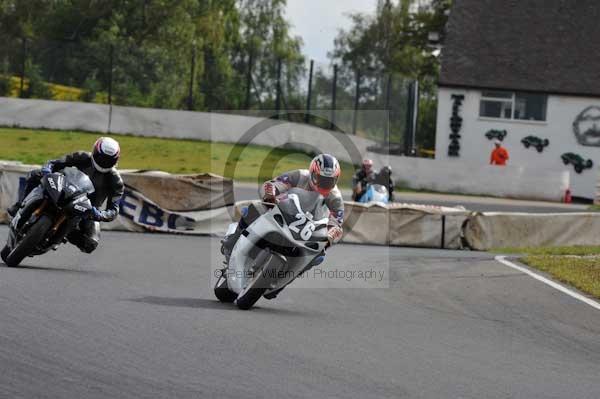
(527, 72)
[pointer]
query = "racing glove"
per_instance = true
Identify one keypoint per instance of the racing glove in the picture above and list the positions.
(98, 215)
(270, 192)
(334, 234)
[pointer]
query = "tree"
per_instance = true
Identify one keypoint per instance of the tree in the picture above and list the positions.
(393, 41)
(267, 40)
(151, 46)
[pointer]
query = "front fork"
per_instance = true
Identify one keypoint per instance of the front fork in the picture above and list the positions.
(60, 222)
(18, 227)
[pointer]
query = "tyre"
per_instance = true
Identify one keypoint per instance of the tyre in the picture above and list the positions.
(565, 161)
(539, 148)
(589, 163)
(262, 282)
(526, 144)
(578, 168)
(24, 247)
(222, 291)
(246, 301)
(546, 143)
(258, 287)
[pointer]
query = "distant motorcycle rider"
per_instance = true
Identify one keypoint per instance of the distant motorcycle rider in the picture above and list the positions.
(99, 165)
(322, 177)
(361, 178)
(384, 177)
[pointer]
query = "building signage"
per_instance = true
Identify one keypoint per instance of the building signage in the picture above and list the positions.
(455, 125)
(587, 127)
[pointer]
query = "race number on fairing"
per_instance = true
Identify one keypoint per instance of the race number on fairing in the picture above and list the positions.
(303, 219)
(308, 228)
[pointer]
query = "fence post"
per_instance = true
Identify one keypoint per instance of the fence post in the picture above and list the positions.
(249, 79)
(334, 96)
(192, 73)
(23, 63)
(411, 117)
(356, 102)
(309, 96)
(416, 114)
(110, 73)
(278, 98)
(387, 108)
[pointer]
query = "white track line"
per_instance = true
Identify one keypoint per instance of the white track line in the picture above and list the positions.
(584, 299)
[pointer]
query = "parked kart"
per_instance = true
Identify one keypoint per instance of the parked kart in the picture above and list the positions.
(48, 214)
(577, 161)
(536, 142)
(375, 193)
(275, 248)
(496, 134)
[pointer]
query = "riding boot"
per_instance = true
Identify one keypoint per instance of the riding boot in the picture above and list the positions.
(33, 180)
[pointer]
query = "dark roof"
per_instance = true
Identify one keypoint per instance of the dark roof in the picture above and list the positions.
(550, 46)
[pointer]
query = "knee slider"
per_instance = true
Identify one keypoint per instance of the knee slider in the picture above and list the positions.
(88, 245)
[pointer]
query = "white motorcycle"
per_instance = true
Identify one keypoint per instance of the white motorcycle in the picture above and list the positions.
(275, 248)
(375, 193)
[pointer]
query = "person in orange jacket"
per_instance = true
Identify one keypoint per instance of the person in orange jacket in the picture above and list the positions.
(499, 154)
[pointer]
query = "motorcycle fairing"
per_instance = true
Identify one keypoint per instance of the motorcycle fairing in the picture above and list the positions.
(247, 251)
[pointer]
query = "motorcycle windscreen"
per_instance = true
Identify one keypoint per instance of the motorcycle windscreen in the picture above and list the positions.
(76, 182)
(305, 213)
(53, 186)
(378, 193)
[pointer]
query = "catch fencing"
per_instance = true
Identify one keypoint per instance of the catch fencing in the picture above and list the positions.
(325, 95)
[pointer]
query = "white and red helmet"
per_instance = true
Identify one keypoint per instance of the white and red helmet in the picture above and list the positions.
(324, 173)
(105, 154)
(367, 165)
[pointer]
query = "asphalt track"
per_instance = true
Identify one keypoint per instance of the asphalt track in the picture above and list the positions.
(138, 320)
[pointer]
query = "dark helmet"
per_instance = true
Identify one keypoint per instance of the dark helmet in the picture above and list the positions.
(105, 154)
(386, 170)
(324, 173)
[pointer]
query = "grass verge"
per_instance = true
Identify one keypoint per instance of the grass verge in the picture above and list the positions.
(577, 266)
(254, 163)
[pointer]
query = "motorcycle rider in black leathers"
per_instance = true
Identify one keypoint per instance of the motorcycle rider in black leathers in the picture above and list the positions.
(99, 165)
(384, 177)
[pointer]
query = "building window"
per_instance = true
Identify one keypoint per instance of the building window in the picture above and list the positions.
(513, 105)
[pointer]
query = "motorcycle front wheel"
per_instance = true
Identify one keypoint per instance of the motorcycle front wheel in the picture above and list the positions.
(263, 280)
(250, 297)
(222, 291)
(27, 244)
(4, 253)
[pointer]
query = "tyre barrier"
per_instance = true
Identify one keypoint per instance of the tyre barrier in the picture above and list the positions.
(202, 205)
(484, 231)
(404, 225)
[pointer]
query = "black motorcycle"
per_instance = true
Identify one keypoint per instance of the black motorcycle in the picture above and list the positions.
(48, 214)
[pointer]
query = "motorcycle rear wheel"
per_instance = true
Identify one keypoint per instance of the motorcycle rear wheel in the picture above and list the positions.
(35, 234)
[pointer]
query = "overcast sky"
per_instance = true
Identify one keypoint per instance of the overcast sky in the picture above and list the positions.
(317, 22)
